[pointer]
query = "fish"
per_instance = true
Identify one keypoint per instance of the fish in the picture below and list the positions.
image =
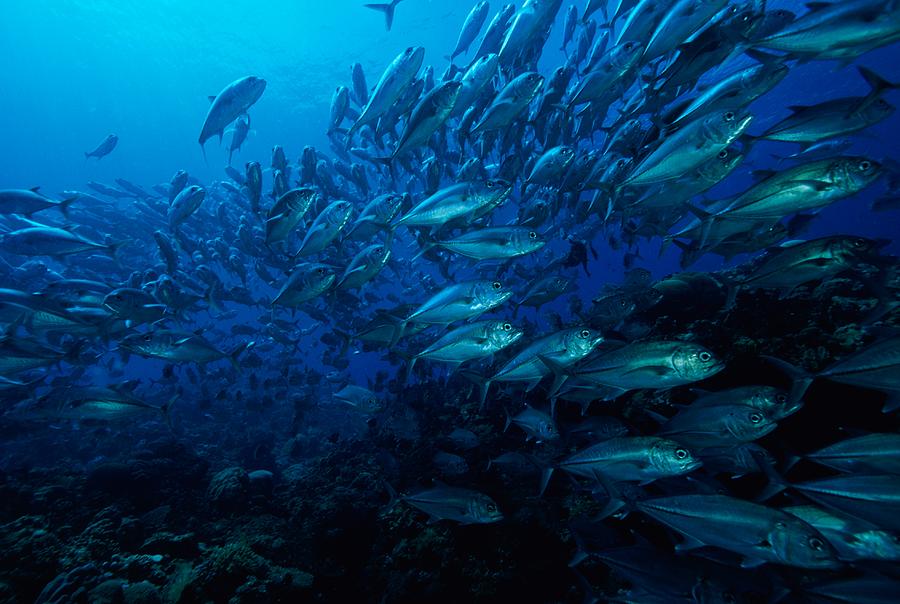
(470, 29)
(388, 10)
(233, 101)
(469, 342)
(653, 364)
(491, 243)
(180, 347)
(464, 506)
(758, 533)
(395, 79)
(29, 201)
(105, 147)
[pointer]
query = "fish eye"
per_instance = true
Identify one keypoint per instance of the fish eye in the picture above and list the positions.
(491, 508)
(729, 116)
(628, 45)
(118, 296)
(723, 153)
(681, 453)
(532, 235)
(559, 71)
(816, 544)
(146, 337)
(755, 418)
(621, 163)
(585, 333)
(507, 327)
(781, 397)
(490, 184)
(705, 357)
(859, 243)
(865, 165)
(496, 285)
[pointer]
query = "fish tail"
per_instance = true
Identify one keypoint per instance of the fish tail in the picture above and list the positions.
(392, 494)
(235, 354)
(166, 410)
(800, 377)
(64, 205)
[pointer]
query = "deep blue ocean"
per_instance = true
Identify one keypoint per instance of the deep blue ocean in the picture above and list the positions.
(92, 506)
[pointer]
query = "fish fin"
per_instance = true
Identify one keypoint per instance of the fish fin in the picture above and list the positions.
(211, 98)
(236, 353)
(801, 378)
(392, 494)
(749, 562)
(483, 384)
(878, 85)
(546, 473)
(64, 205)
(689, 543)
(388, 10)
(35, 190)
(166, 409)
(892, 403)
(765, 58)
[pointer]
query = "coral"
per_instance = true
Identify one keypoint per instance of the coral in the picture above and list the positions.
(228, 489)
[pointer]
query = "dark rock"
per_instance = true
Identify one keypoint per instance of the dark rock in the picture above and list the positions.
(176, 546)
(141, 593)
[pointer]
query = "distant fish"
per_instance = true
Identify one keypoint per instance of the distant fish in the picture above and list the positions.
(229, 104)
(103, 149)
(388, 10)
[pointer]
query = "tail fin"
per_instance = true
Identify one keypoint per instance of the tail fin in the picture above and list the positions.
(113, 248)
(166, 409)
(64, 205)
(388, 10)
(560, 374)
(237, 352)
(801, 378)
(878, 85)
(393, 498)
(483, 384)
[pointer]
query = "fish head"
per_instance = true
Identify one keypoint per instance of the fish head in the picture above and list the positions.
(748, 423)
(850, 250)
(319, 277)
(447, 94)
(253, 88)
(725, 161)
(625, 55)
(528, 84)
(483, 510)
(339, 212)
(378, 254)
(489, 294)
(671, 459)
(581, 340)
(149, 343)
(695, 363)
(493, 191)
(777, 401)
(502, 334)
(798, 544)
(723, 127)
(852, 174)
